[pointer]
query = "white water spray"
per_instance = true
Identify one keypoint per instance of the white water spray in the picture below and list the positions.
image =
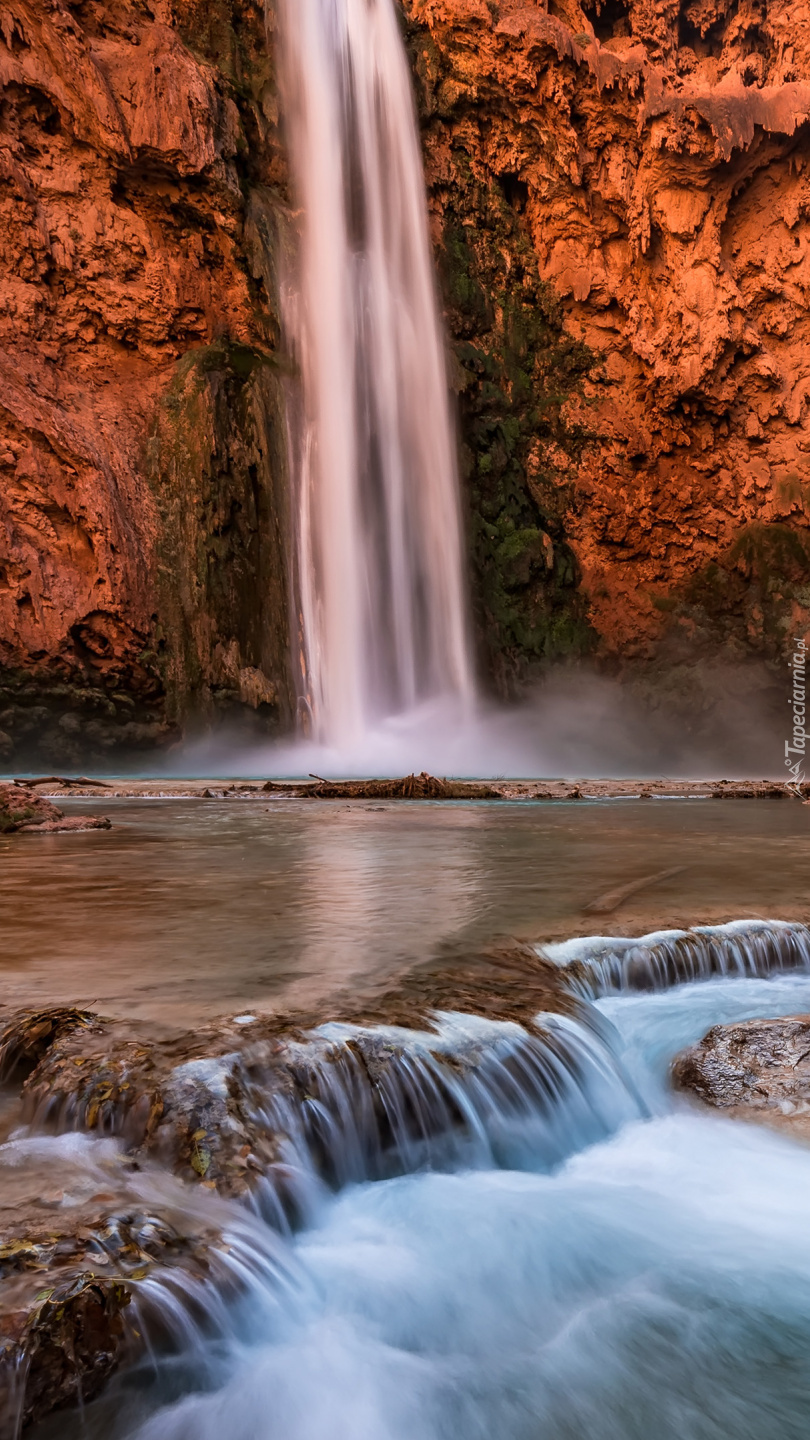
(380, 585)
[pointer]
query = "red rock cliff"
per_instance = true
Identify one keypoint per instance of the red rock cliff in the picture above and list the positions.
(141, 445)
(646, 163)
(620, 199)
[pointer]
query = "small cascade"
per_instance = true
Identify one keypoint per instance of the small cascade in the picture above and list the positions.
(604, 965)
(99, 1245)
(357, 1104)
(381, 612)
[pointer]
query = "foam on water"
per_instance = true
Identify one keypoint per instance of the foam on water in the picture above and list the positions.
(597, 964)
(368, 1103)
(658, 1281)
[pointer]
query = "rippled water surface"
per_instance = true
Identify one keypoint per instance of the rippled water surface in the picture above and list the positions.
(191, 908)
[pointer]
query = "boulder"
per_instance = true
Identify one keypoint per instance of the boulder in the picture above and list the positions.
(78, 1234)
(25, 811)
(754, 1069)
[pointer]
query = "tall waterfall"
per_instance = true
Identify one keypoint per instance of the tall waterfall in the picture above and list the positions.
(380, 586)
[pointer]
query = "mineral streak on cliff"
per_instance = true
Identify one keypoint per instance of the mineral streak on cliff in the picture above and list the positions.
(141, 444)
(646, 163)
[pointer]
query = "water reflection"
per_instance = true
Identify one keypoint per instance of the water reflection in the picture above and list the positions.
(372, 893)
(193, 908)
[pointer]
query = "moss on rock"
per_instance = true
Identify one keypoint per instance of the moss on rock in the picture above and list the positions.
(217, 467)
(516, 372)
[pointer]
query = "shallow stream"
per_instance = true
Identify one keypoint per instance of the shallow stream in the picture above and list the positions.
(190, 909)
(596, 1259)
(656, 1281)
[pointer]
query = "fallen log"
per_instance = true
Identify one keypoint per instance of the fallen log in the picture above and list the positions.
(62, 780)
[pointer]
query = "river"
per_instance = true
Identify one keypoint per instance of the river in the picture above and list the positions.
(570, 1250)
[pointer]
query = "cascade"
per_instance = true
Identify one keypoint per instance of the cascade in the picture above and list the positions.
(380, 624)
(601, 965)
(354, 1105)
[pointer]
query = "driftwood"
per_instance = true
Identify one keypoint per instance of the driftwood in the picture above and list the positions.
(410, 787)
(62, 780)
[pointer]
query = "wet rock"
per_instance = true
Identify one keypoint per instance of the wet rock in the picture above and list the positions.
(25, 1038)
(754, 1069)
(23, 807)
(60, 1346)
(25, 811)
(78, 1238)
(243, 1103)
(189, 1100)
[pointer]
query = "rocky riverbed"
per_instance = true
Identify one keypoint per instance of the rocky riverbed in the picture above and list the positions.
(83, 1228)
(128, 1136)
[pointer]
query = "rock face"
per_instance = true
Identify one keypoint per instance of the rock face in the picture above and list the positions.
(25, 811)
(142, 489)
(619, 203)
(80, 1232)
(757, 1069)
(620, 198)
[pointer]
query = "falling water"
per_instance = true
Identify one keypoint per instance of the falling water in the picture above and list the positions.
(354, 1105)
(656, 1281)
(380, 587)
(605, 964)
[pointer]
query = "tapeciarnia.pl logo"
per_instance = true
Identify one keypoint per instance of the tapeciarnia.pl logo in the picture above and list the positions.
(798, 747)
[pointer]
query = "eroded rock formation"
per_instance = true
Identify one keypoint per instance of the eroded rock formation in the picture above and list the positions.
(25, 810)
(755, 1070)
(142, 501)
(631, 175)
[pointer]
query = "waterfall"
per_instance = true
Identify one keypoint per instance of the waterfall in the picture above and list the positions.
(353, 1104)
(381, 624)
(604, 965)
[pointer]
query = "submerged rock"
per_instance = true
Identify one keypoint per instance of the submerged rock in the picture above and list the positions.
(754, 1069)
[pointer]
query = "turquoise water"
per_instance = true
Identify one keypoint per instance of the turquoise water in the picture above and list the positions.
(655, 1283)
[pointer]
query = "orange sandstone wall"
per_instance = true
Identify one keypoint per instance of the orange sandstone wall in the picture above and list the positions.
(619, 196)
(139, 546)
(657, 158)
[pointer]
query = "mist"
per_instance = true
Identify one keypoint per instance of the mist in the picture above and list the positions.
(726, 721)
